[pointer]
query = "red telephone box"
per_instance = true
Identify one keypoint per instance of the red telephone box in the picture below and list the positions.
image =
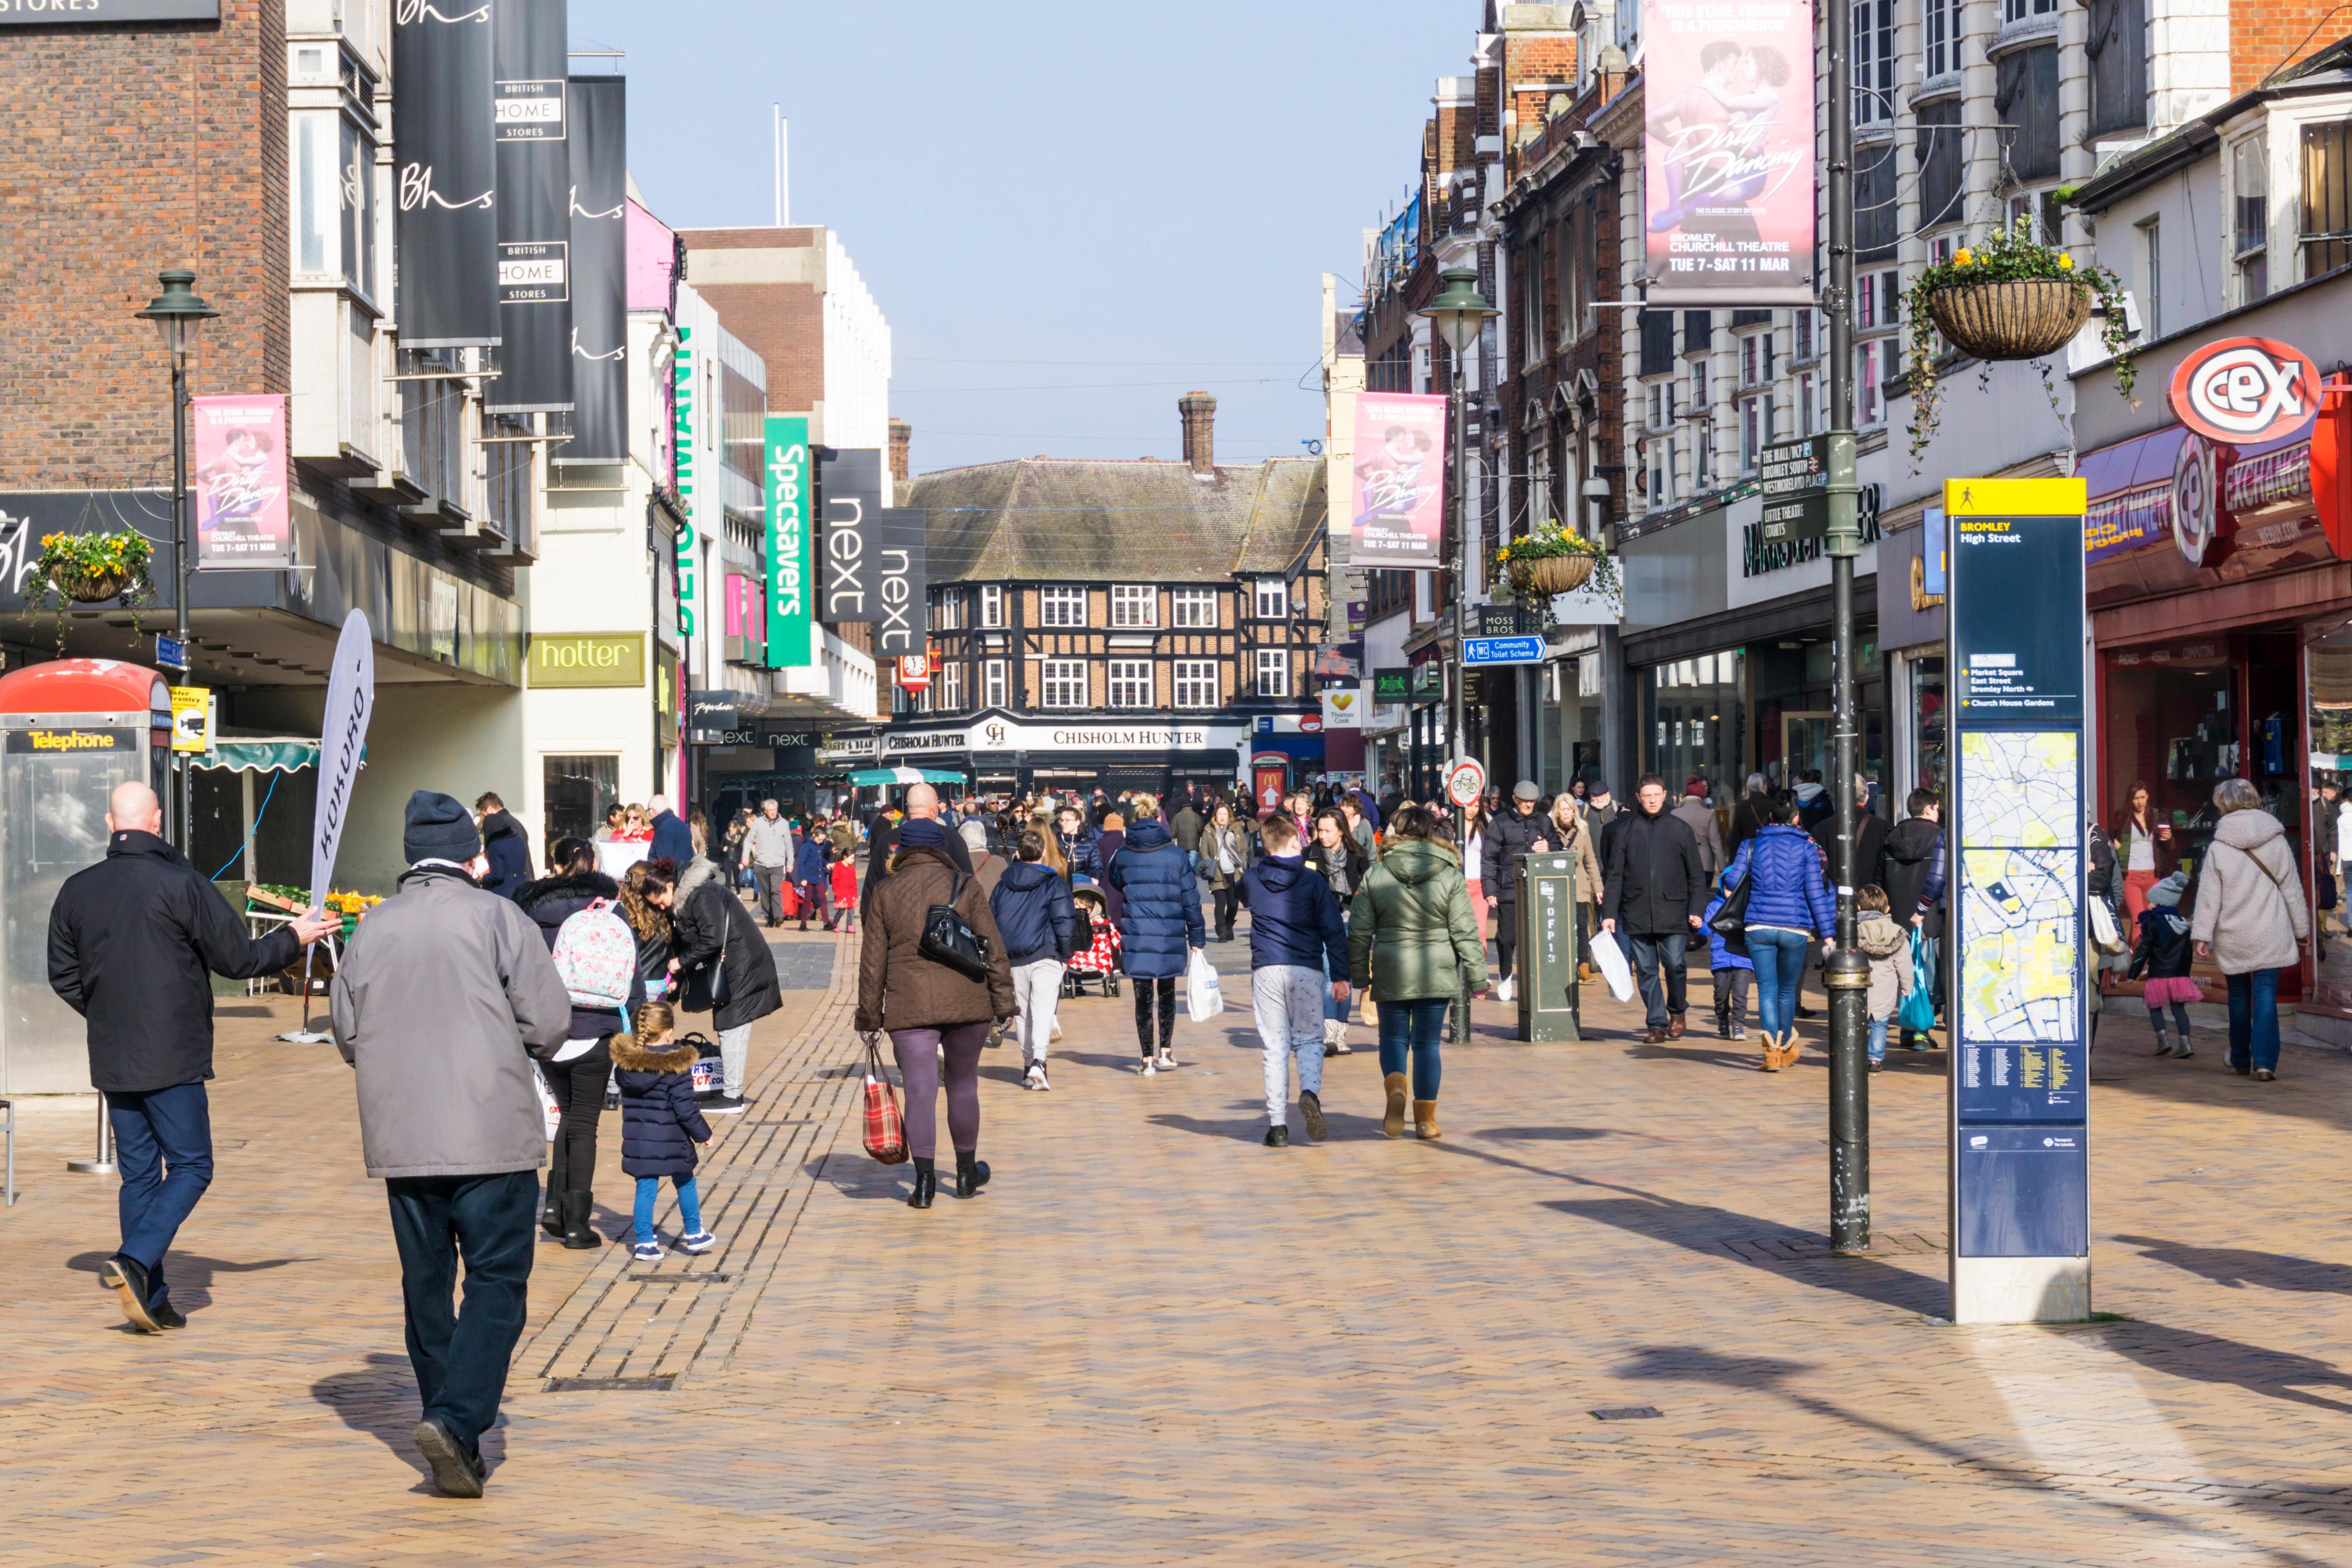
(1269, 780)
(70, 731)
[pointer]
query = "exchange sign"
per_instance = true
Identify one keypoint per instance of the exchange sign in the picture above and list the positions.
(2245, 390)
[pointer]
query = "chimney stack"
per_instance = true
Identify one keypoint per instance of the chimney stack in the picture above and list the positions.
(902, 436)
(1200, 412)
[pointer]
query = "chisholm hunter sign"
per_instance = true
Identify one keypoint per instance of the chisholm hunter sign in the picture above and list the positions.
(1004, 735)
(57, 12)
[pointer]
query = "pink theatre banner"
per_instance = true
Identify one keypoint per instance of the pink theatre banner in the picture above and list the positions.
(240, 458)
(1728, 153)
(1396, 514)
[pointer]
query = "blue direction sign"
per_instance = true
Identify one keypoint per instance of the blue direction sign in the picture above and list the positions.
(171, 653)
(1476, 651)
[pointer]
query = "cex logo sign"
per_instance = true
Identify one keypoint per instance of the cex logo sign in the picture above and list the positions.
(2245, 390)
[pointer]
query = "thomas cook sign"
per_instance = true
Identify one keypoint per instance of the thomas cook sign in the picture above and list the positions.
(588, 658)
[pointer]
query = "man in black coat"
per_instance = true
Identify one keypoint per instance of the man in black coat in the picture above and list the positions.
(1654, 889)
(130, 941)
(1509, 837)
(1869, 839)
(506, 843)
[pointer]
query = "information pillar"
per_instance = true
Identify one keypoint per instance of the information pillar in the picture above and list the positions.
(2014, 933)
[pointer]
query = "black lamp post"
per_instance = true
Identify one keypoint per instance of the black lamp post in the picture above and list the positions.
(179, 313)
(1458, 314)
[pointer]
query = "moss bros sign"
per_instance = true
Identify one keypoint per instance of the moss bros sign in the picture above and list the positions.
(67, 12)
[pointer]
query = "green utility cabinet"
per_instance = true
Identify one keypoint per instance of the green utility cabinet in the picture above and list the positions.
(1547, 913)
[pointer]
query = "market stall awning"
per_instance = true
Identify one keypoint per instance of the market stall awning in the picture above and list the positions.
(904, 776)
(263, 754)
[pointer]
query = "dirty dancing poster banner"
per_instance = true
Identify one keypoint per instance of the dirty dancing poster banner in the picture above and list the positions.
(789, 588)
(1397, 501)
(597, 137)
(447, 174)
(1728, 153)
(534, 217)
(239, 445)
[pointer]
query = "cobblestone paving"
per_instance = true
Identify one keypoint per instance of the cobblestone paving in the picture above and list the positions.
(1153, 1341)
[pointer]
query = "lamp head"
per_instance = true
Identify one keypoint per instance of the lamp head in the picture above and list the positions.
(178, 312)
(1459, 310)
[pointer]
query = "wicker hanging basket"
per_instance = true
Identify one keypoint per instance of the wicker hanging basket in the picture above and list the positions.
(91, 587)
(1549, 575)
(2025, 318)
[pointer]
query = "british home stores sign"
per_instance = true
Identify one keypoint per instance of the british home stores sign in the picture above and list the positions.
(67, 12)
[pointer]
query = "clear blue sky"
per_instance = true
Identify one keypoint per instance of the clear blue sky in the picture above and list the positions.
(1070, 213)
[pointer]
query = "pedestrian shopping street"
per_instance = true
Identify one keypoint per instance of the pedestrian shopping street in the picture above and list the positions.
(1154, 1340)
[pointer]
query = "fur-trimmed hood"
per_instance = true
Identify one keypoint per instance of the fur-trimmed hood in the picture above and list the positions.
(629, 1056)
(692, 874)
(582, 885)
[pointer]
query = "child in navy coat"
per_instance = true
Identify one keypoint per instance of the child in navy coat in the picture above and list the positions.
(660, 1126)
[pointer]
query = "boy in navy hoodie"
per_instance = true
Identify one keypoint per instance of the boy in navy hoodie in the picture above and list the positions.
(1295, 927)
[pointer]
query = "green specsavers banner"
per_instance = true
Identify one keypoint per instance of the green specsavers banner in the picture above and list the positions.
(789, 630)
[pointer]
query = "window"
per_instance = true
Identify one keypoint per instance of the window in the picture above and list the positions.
(947, 610)
(1274, 673)
(334, 199)
(576, 792)
(992, 685)
(1755, 359)
(1937, 148)
(2151, 279)
(1571, 278)
(1662, 404)
(1755, 429)
(1874, 367)
(1874, 228)
(1939, 38)
(2118, 53)
(1193, 606)
(2025, 100)
(1657, 342)
(1874, 62)
(1062, 606)
(2250, 204)
(2025, 10)
(1878, 296)
(1538, 341)
(1698, 332)
(1134, 604)
(1808, 406)
(1130, 683)
(1196, 683)
(991, 607)
(1702, 398)
(1659, 454)
(1270, 599)
(1064, 682)
(947, 687)
(2327, 199)
(1803, 334)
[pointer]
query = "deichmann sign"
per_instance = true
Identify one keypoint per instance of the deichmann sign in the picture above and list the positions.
(587, 658)
(1727, 160)
(788, 563)
(2245, 390)
(68, 12)
(240, 458)
(1398, 500)
(682, 445)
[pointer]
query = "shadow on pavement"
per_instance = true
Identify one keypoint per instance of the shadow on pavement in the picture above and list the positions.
(189, 1274)
(1545, 1134)
(2209, 1358)
(379, 1400)
(2237, 1267)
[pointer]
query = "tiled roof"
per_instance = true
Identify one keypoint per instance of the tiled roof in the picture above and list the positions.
(1045, 519)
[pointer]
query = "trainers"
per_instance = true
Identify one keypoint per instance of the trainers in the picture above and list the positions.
(1149, 1071)
(725, 1105)
(1278, 1137)
(647, 1252)
(1504, 991)
(701, 1241)
(1738, 1032)
(1037, 1079)
(1167, 1062)
(1057, 1029)
(1310, 1106)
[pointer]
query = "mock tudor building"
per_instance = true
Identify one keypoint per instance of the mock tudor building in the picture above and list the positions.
(1116, 624)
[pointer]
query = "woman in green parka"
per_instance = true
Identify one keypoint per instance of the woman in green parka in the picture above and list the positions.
(1411, 937)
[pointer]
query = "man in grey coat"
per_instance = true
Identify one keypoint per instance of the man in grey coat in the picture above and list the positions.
(1699, 817)
(768, 846)
(445, 993)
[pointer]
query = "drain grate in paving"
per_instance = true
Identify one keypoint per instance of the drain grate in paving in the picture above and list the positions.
(1628, 1413)
(1812, 1248)
(656, 1384)
(687, 1278)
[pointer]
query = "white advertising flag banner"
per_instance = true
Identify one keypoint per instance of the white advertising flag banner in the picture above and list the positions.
(343, 738)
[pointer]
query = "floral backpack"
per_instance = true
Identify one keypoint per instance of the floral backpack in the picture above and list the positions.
(596, 954)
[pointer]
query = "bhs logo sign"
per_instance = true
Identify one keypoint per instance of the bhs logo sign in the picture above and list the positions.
(2245, 390)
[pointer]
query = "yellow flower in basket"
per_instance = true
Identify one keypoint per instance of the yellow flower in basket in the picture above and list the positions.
(1963, 256)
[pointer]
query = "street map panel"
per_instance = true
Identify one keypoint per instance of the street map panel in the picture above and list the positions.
(2023, 789)
(2020, 942)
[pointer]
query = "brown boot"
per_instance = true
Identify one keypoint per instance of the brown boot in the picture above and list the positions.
(1393, 1124)
(1586, 974)
(1772, 1062)
(1424, 1118)
(1787, 1053)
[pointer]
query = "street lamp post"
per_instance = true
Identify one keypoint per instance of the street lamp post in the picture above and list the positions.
(1458, 314)
(178, 314)
(1847, 973)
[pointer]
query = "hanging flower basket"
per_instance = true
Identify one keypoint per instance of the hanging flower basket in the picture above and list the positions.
(91, 587)
(1552, 574)
(2023, 318)
(1552, 560)
(94, 569)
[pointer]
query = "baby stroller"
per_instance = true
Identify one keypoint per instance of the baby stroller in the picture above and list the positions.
(1097, 960)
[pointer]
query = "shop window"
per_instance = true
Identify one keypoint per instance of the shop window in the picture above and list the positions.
(1696, 721)
(2171, 724)
(1134, 604)
(1062, 606)
(2250, 207)
(1929, 763)
(1064, 682)
(2327, 198)
(575, 792)
(1130, 683)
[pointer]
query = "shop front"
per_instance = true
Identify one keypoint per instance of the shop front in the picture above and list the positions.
(999, 755)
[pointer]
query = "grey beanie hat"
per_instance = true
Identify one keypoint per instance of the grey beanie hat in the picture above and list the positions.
(439, 827)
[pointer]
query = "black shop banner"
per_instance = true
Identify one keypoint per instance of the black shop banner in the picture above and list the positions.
(849, 484)
(446, 230)
(597, 135)
(902, 629)
(534, 190)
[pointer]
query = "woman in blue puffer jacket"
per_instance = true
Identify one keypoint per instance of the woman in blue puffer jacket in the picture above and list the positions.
(1158, 924)
(1789, 903)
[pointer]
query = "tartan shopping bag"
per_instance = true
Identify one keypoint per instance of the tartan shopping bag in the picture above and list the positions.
(885, 1130)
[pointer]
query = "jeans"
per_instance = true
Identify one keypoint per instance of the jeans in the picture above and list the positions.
(1779, 959)
(1878, 1039)
(1038, 989)
(164, 1146)
(689, 1206)
(1667, 951)
(1286, 999)
(917, 1051)
(735, 1057)
(578, 1085)
(1344, 1012)
(1144, 992)
(770, 879)
(1413, 1029)
(461, 1356)
(2253, 1020)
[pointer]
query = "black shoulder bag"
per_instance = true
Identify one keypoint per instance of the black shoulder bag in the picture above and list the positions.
(948, 939)
(1730, 921)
